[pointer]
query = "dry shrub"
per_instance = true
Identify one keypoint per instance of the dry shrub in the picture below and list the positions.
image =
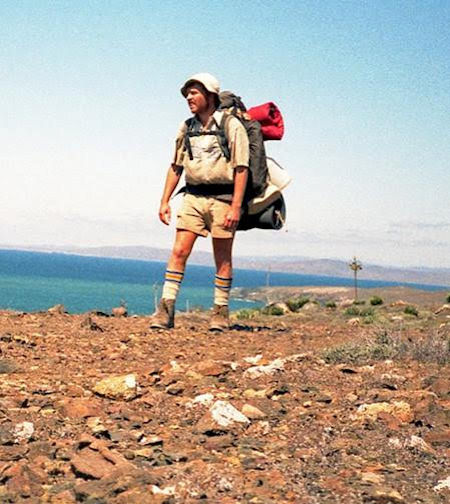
(434, 348)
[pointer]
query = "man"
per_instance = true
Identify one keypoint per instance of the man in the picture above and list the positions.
(216, 178)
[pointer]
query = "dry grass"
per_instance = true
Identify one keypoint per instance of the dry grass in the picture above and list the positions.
(432, 347)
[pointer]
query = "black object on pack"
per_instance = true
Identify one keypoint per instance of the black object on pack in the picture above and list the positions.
(272, 217)
(257, 173)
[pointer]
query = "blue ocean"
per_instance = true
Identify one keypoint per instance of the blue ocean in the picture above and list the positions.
(33, 281)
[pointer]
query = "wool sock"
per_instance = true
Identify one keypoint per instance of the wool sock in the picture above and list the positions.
(222, 287)
(172, 284)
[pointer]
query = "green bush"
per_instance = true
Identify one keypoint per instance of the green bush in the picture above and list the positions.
(247, 313)
(448, 298)
(367, 312)
(411, 310)
(376, 300)
(295, 304)
(352, 311)
(273, 310)
(359, 302)
(330, 304)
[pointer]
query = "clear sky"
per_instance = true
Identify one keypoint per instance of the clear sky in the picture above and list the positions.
(90, 103)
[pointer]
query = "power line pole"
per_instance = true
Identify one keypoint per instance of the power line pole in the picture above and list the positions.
(356, 266)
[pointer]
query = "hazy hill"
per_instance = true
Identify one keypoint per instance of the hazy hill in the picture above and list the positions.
(301, 265)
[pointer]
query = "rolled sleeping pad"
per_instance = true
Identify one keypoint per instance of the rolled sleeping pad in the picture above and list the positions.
(272, 217)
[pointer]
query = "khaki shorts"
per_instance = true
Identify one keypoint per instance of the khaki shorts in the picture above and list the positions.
(203, 214)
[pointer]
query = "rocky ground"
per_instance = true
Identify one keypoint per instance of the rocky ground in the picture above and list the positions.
(318, 406)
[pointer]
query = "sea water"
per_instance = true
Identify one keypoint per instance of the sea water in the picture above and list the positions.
(33, 281)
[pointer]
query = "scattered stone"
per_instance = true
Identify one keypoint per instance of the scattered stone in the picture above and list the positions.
(79, 407)
(119, 311)
(225, 414)
(90, 324)
(23, 431)
(420, 444)
(118, 387)
(58, 309)
(253, 360)
(221, 416)
(384, 495)
(96, 426)
(445, 308)
(251, 393)
(373, 478)
(8, 366)
(97, 461)
(211, 368)
(399, 409)
(399, 304)
(273, 367)
(201, 400)
(442, 485)
(252, 412)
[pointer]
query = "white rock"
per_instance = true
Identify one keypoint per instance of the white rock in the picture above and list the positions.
(253, 360)
(23, 431)
(201, 400)
(225, 485)
(130, 381)
(419, 443)
(395, 443)
(175, 366)
(442, 485)
(273, 367)
(163, 491)
(269, 369)
(225, 414)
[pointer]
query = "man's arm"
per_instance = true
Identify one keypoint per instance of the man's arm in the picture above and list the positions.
(240, 184)
(172, 179)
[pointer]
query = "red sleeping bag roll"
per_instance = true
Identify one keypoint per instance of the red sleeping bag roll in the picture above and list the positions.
(270, 118)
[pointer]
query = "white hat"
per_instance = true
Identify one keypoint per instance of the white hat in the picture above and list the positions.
(210, 83)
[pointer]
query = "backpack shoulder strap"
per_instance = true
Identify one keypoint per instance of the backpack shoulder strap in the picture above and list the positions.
(222, 136)
(189, 131)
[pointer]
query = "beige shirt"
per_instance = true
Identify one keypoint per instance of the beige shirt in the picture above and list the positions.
(209, 165)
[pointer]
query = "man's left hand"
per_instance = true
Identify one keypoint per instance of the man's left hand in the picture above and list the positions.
(232, 218)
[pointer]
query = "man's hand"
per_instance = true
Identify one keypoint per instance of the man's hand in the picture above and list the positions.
(165, 213)
(232, 219)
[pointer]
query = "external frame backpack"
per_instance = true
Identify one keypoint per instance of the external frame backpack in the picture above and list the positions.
(261, 123)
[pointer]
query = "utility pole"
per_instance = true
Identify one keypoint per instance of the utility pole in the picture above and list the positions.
(268, 276)
(356, 266)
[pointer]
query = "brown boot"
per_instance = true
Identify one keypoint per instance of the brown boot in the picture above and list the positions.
(164, 318)
(219, 321)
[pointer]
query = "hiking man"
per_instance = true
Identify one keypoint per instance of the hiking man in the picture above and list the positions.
(215, 188)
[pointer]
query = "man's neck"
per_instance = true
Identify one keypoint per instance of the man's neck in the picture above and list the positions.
(204, 116)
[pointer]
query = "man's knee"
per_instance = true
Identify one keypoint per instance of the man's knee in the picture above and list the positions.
(180, 252)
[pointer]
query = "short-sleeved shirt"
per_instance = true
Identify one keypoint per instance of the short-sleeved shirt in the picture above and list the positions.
(209, 165)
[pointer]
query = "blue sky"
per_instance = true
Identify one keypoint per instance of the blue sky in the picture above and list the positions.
(90, 102)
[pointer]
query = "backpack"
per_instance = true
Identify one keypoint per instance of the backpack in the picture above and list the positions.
(261, 123)
(257, 175)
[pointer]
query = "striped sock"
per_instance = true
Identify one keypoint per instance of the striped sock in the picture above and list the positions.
(222, 287)
(172, 284)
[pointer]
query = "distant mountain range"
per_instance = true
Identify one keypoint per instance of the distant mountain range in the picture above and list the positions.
(301, 265)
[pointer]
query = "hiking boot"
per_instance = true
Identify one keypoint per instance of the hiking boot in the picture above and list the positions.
(164, 318)
(219, 321)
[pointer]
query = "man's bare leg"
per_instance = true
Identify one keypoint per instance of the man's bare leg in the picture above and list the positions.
(182, 248)
(223, 248)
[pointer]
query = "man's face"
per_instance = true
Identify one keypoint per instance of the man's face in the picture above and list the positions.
(196, 99)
